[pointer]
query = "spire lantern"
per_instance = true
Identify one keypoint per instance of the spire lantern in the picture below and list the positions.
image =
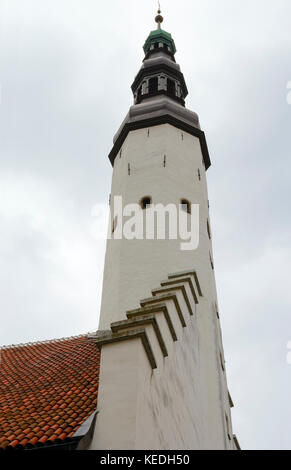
(159, 74)
(160, 39)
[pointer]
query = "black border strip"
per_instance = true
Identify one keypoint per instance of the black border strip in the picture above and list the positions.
(156, 121)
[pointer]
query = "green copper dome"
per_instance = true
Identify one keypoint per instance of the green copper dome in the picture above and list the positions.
(159, 36)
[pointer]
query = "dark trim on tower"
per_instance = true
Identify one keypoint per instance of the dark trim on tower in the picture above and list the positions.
(159, 68)
(159, 93)
(156, 121)
(152, 52)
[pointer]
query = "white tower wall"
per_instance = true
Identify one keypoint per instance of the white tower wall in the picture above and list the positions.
(134, 267)
(162, 376)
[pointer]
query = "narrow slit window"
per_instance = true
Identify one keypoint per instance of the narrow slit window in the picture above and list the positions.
(114, 224)
(199, 174)
(208, 230)
(227, 427)
(235, 440)
(171, 87)
(222, 361)
(153, 85)
(139, 93)
(211, 261)
(231, 405)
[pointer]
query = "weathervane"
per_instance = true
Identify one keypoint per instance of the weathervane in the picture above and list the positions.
(159, 19)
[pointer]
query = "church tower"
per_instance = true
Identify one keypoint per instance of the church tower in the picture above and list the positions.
(162, 377)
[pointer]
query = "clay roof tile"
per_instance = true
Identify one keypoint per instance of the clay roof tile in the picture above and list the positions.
(48, 387)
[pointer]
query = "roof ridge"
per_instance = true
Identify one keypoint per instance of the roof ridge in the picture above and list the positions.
(48, 341)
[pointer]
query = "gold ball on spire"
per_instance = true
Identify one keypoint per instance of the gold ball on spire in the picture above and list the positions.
(159, 18)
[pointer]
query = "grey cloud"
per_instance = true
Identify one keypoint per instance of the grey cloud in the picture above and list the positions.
(65, 71)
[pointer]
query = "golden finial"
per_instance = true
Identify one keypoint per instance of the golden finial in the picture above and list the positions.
(159, 19)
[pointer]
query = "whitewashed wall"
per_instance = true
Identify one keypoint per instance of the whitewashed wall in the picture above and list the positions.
(182, 404)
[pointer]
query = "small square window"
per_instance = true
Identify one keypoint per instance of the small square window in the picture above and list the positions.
(186, 205)
(145, 202)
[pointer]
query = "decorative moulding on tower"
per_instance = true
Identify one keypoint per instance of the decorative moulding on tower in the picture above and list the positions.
(155, 309)
(161, 115)
(111, 338)
(138, 354)
(138, 320)
(186, 273)
(182, 280)
(174, 288)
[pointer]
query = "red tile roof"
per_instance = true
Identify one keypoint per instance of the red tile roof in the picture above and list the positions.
(47, 390)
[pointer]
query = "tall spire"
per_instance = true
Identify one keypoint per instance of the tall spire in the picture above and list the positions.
(159, 19)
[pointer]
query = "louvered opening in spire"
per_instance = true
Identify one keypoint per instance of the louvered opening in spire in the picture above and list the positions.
(159, 39)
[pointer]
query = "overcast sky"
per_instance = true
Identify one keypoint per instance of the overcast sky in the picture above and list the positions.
(66, 67)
